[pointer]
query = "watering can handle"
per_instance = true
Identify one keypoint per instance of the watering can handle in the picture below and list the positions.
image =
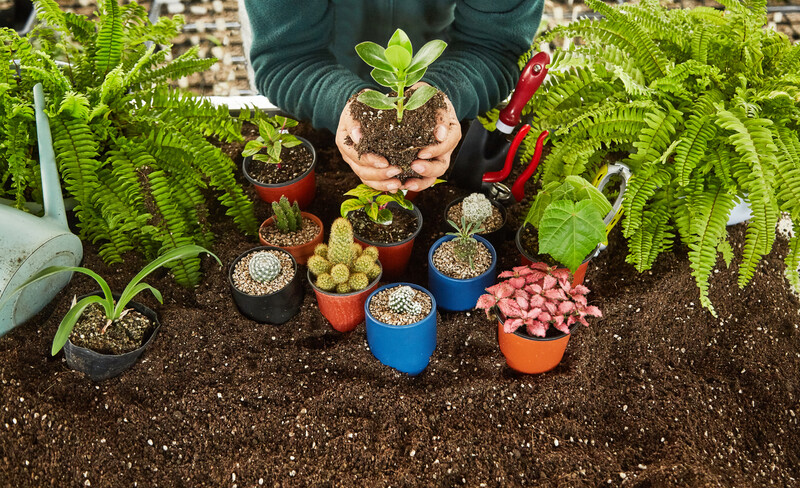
(601, 180)
(51, 187)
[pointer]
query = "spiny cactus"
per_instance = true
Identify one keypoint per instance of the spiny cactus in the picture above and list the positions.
(287, 217)
(464, 245)
(342, 265)
(476, 208)
(401, 301)
(264, 267)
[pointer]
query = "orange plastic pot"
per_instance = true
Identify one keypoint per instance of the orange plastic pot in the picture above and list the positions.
(531, 355)
(343, 310)
(394, 256)
(302, 252)
(301, 189)
(577, 277)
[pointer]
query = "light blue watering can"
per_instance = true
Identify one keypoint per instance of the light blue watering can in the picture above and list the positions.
(29, 243)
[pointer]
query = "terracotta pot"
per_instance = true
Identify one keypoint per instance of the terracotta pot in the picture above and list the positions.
(496, 237)
(532, 355)
(394, 256)
(302, 252)
(343, 310)
(301, 189)
(406, 348)
(277, 307)
(577, 277)
(454, 294)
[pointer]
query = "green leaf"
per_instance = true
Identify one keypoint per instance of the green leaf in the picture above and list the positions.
(290, 141)
(569, 231)
(252, 147)
(274, 151)
(384, 217)
(363, 192)
(265, 158)
(376, 100)
(350, 205)
(372, 212)
(69, 321)
(400, 38)
(282, 122)
(414, 77)
(427, 55)
(385, 78)
(398, 57)
(374, 55)
(267, 131)
(420, 96)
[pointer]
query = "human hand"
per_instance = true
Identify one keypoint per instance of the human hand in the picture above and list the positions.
(435, 159)
(373, 170)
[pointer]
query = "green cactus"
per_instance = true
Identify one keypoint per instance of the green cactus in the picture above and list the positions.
(287, 217)
(264, 267)
(401, 301)
(343, 264)
(465, 246)
(325, 282)
(476, 208)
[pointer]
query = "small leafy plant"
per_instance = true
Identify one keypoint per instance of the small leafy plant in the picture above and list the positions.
(342, 264)
(272, 138)
(538, 297)
(113, 310)
(397, 67)
(374, 203)
(465, 246)
(569, 218)
(287, 217)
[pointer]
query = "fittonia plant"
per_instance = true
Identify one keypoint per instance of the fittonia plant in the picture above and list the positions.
(397, 67)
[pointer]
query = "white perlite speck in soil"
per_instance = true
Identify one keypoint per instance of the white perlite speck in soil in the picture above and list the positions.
(244, 283)
(445, 260)
(379, 308)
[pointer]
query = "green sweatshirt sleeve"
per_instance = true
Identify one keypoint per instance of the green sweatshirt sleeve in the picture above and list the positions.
(479, 67)
(293, 64)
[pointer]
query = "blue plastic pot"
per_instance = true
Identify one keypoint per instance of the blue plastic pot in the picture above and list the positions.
(406, 348)
(458, 295)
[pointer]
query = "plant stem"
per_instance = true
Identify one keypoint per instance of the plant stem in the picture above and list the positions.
(401, 94)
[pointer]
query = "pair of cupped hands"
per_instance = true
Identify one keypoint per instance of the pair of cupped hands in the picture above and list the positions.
(375, 171)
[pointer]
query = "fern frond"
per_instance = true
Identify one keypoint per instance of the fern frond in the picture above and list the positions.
(787, 171)
(50, 13)
(792, 259)
(652, 237)
(109, 38)
(654, 139)
(693, 144)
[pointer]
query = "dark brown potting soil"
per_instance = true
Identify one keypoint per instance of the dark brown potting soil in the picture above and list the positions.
(658, 393)
(403, 226)
(294, 162)
(398, 143)
(125, 334)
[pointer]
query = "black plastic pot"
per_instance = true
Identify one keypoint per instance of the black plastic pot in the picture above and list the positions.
(275, 308)
(103, 366)
(496, 237)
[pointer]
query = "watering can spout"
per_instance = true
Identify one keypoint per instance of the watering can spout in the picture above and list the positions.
(51, 188)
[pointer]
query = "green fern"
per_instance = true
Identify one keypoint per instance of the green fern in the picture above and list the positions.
(707, 105)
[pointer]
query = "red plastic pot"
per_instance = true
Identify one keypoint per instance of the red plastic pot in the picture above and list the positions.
(532, 355)
(343, 310)
(302, 189)
(394, 256)
(526, 259)
(302, 252)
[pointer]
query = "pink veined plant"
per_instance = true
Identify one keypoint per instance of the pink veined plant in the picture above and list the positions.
(538, 296)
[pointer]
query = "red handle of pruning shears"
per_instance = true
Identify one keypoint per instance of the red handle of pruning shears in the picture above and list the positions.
(530, 79)
(495, 176)
(518, 188)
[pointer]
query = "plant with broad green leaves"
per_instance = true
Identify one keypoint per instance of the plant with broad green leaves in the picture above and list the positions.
(374, 203)
(704, 106)
(272, 138)
(113, 309)
(569, 219)
(397, 67)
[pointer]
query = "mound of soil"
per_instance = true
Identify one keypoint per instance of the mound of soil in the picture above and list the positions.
(657, 393)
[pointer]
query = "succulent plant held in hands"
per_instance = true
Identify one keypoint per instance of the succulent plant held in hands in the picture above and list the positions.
(538, 297)
(264, 267)
(287, 217)
(342, 264)
(374, 203)
(397, 67)
(401, 301)
(465, 246)
(476, 208)
(272, 138)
